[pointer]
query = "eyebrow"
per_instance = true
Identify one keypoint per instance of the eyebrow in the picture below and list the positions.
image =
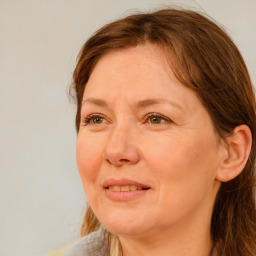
(140, 104)
(95, 101)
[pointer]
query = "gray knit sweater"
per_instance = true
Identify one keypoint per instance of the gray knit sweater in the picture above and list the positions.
(91, 245)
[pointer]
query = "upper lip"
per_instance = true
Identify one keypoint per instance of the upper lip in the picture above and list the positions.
(123, 182)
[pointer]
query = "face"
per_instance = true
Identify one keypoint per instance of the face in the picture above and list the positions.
(147, 152)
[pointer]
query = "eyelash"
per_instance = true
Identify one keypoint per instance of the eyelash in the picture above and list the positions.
(152, 115)
(88, 120)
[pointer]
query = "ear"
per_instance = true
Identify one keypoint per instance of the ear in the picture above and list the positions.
(236, 153)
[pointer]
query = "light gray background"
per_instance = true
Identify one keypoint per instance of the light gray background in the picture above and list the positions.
(41, 198)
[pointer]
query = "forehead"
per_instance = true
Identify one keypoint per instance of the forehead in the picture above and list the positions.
(136, 73)
(132, 65)
(146, 57)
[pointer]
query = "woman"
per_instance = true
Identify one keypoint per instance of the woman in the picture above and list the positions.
(166, 139)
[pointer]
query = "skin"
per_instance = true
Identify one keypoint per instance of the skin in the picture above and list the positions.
(178, 156)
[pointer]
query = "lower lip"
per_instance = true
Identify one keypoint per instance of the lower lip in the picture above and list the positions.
(125, 195)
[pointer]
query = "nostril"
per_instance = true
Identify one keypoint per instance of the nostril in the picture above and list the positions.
(107, 160)
(124, 160)
(119, 162)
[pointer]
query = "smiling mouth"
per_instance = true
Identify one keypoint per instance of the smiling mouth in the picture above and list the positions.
(126, 188)
(125, 193)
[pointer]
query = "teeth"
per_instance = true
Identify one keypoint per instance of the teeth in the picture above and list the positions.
(116, 188)
(133, 188)
(124, 188)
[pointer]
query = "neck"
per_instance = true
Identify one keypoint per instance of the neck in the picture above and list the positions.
(187, 238)
(175, 245)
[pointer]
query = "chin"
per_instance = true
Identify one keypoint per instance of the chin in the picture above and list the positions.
(125, 230)
(125, 224)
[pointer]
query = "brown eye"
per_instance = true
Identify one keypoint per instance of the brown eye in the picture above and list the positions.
(94, 119)
(155, 119)
(97, 120)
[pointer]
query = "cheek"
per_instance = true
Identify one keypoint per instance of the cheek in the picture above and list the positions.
(184, 171)
(182, 164)
(181, 151)
(89, 155)
(169, 156)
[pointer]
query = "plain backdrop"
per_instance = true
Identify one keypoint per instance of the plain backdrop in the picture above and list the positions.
(41, 198)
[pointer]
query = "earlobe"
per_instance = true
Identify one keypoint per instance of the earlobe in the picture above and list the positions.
(237, 150)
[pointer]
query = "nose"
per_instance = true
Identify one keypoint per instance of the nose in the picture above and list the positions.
(121, 148)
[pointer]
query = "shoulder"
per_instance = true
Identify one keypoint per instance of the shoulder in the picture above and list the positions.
(90, 245)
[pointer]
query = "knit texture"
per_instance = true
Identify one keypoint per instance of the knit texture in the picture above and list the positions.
(91, 245)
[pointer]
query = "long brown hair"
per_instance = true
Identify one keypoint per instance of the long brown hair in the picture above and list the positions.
(205, 59)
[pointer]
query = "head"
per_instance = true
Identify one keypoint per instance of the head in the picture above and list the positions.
(199, 149)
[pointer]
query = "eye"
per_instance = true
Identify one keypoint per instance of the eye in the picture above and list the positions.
(154, 118)
(94, 119)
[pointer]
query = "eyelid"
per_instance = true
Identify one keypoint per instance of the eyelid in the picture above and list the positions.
(87, 119)
(153, 114)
